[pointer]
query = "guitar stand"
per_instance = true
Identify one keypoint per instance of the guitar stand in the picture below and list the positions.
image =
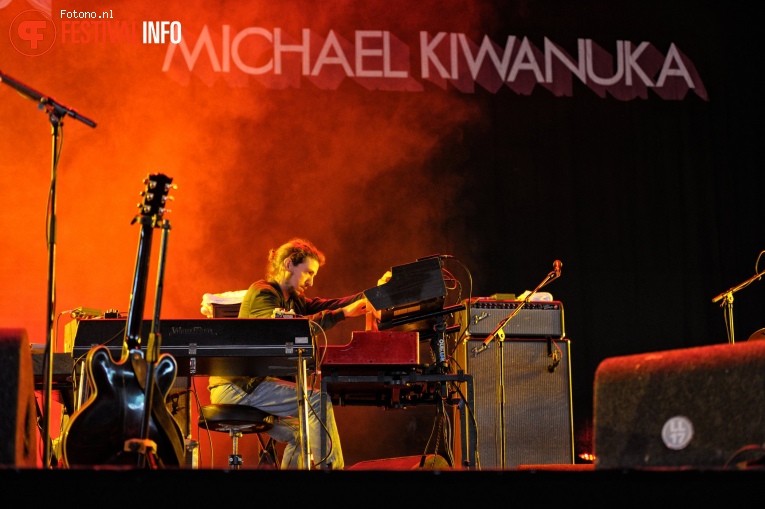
(145, 448)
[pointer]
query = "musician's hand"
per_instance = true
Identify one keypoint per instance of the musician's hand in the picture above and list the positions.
(357, 308)
(385, 278)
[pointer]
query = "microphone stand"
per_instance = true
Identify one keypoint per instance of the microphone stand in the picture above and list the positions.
(56, 112)
(727, 304)
(499, 333)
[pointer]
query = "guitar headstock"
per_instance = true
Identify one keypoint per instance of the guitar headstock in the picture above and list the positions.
(155, 196)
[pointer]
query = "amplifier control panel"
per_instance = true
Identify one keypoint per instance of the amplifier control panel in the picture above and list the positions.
(534, 319)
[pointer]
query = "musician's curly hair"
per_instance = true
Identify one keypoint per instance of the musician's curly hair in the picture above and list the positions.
(297, 250)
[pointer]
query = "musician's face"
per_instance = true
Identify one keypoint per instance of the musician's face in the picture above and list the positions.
(301, 276)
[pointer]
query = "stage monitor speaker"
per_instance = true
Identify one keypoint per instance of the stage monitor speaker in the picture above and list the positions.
(17, 400)
(692, 407)
(538, 417)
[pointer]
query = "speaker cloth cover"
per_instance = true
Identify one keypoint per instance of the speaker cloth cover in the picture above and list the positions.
(536, 426)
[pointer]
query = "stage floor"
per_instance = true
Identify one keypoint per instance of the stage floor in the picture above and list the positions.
(547, 487)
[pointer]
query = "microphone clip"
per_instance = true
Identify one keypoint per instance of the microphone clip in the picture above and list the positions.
(555, 362)
(478, 349)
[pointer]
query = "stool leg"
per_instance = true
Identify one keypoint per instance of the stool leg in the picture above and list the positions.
(235, 459)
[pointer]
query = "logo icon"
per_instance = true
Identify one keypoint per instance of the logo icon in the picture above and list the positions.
(677, 432)
(32, 33)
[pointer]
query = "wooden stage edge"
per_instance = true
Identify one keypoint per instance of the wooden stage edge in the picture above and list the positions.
(548, 486)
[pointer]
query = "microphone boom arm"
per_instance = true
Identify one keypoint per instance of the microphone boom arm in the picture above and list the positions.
(727, 303)
(44, 102)
(499, 331)
(728, 294)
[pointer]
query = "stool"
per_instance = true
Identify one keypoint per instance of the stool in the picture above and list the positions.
(236, 420)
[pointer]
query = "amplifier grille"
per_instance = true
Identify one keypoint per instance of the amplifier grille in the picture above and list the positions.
(538, 414)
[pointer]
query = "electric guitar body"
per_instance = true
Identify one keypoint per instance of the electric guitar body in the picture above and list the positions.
(97, 433)
(114, 425)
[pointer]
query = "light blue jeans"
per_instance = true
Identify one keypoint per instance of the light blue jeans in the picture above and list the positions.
(279, 398)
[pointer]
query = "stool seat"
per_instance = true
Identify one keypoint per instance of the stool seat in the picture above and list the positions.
(242, 418)
(238, 420)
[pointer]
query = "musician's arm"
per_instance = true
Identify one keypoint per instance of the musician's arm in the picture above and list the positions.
(332, 311)
(328, 312)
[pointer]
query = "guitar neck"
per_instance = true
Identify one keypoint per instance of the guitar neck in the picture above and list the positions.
(150, 217)
(138, 294)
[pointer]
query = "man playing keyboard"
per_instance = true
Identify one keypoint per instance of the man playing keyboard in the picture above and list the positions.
(290, 271)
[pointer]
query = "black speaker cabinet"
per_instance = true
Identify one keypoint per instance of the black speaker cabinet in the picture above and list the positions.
(693, 407)
(17, 400)
(538, 417)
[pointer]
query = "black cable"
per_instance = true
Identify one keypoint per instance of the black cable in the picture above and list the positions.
(737, 461)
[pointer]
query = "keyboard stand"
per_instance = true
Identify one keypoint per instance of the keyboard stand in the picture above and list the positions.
(467, 432)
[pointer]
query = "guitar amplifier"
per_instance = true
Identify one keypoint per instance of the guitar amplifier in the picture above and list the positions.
(534, 319)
